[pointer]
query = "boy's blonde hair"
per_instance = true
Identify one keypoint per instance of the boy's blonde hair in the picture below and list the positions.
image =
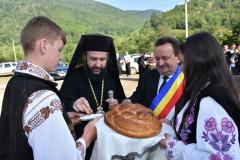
(37, 28)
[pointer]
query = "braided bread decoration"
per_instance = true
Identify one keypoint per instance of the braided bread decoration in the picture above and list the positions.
(133, 120)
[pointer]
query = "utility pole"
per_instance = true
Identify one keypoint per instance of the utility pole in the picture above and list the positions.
(186, 19)
(14, 51)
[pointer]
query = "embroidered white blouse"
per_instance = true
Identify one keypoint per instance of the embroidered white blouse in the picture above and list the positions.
(217, 135)
(44, 125)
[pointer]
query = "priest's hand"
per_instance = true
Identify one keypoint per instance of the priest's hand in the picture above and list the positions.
(90, 132)
(82, 105)
(74, 117)
(112, 102)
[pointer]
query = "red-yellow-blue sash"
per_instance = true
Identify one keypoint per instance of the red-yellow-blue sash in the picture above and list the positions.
(169, 95)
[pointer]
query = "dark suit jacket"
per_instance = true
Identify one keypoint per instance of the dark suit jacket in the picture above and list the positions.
(147, 88)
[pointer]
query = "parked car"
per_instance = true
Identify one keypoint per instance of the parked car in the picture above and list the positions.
(7, 68)
(133, 63)
(60, 72)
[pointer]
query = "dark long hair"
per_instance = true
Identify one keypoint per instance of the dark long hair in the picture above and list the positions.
(205, 62)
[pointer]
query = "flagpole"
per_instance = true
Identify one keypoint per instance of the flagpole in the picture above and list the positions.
(14, 51)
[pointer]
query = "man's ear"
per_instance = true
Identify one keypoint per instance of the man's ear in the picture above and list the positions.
(179, 58)
(43, 45)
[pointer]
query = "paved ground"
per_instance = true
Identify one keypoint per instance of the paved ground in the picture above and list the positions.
(1, 97)
(129, 85)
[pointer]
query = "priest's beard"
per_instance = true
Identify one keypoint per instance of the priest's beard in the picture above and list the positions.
(96, 77)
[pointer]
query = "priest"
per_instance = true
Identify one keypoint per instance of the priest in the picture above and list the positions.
(91, 77)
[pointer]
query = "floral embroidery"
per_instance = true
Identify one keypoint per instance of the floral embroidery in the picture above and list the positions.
(36, 94)
(42, 115)
(185, 131)
(218, 157)
(222, 140)
(28, 102)
(33, 70)
(80, 147)
(170, 154)
(57, 104)
(45, 112)
(22, 66)
(130, 156)
(170, 144)
(227, 126)
(210, 125)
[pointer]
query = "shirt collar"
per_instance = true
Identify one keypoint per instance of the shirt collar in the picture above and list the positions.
(34, 70)
(170, 76)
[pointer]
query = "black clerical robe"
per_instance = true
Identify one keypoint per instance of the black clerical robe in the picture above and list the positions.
(76, 85)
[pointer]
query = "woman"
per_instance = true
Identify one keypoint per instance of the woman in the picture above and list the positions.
(207, 118)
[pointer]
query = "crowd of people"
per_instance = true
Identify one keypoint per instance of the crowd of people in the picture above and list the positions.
(232, 53)
(147, 62)
(193, 78)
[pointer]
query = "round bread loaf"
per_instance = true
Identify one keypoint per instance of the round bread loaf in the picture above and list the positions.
(133, 120)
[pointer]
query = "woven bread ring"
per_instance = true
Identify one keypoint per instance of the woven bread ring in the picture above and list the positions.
(133, 120)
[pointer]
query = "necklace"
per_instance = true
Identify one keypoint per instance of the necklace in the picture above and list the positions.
(99, 105)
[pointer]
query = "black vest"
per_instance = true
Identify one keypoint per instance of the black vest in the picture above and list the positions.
(221, 96)
(13, 141)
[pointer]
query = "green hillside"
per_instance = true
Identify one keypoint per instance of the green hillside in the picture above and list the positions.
(74, 16)
(220, 17)
(203, 14)
(134, 31)
(144, 15)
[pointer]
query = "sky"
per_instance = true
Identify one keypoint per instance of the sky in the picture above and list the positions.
(162, 5)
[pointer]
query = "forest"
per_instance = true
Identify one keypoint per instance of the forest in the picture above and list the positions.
(134, 31)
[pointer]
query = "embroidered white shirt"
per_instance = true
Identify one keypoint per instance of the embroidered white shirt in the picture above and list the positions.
(217, 135)
(44, 125)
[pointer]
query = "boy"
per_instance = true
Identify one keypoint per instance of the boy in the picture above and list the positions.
(33, 122)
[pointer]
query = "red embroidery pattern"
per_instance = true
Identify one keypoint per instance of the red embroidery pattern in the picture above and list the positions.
(33, 70)
(22, 66)
(57, 104)
(28, 102)
(32, 97)
(42, 115)
(37, 94)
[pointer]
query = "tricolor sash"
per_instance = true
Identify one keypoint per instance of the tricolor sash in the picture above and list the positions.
(166, 98)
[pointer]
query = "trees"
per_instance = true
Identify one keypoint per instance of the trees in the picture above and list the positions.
(236, 33)
(223, 35)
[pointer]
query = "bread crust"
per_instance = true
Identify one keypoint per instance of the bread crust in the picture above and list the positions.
(133, 120)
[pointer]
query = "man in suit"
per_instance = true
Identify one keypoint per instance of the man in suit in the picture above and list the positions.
(166, 54)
